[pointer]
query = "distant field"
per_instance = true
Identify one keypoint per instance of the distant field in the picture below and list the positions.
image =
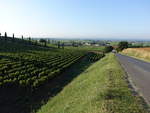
(142, 53)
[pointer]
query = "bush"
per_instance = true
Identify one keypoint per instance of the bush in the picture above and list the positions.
(122, 45)
(108, 49)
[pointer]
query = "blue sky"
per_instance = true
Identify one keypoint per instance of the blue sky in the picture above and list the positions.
(76, 18)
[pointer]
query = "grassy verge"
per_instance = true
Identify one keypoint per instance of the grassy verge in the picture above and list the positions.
(102, 88)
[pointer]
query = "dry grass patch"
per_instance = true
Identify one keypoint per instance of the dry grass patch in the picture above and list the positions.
(142, 53)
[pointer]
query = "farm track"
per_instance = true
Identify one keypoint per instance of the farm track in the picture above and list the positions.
(139, 72)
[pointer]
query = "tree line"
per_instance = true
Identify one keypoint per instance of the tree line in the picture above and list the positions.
(7, 37)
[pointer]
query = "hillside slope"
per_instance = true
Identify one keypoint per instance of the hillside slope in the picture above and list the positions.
(26, 69)
(102, 88)
(19, 45)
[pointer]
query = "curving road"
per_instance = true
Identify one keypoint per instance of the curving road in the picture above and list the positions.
(139, 71)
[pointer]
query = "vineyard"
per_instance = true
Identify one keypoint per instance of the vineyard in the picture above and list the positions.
(28, 66)
(93, 56)
(34, 78)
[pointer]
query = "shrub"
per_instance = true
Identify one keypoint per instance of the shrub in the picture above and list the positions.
(108, 49)
(122, 45)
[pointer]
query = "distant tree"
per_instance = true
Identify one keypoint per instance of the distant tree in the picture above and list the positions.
(13, 36)
(5, 36)
(80, 44)
(122, 45)
(22, 37)
(58, 44)
(0, 35)
(73, 43)
(48, 41)
(43, 41)
(36, 43)
(108, 49)
(63, 45)
(29, 38)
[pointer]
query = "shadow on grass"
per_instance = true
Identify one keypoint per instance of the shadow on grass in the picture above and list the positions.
(13, 100)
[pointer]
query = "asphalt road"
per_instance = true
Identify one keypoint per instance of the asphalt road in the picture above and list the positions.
(139, 72)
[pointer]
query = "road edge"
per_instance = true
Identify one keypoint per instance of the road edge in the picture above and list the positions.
(135, 90)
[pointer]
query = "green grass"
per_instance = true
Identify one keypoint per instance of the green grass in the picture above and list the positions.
(102, 88)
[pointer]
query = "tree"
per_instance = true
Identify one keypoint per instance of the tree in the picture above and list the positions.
(36, 43)
(29, 39)
(122, 45)
(108, 49)
(22, 37)
(73, 43)
(0, 35)
(58, 44)
(13, 36)
(63, 45)
(43, 41)
(48, 41)
(5, 36)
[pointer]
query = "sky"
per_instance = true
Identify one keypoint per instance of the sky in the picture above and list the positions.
(108, 19)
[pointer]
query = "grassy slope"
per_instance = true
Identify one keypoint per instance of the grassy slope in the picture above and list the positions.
(137, 53)
(99, 89)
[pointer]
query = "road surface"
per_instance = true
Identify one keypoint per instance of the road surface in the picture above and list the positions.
(139, 71)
